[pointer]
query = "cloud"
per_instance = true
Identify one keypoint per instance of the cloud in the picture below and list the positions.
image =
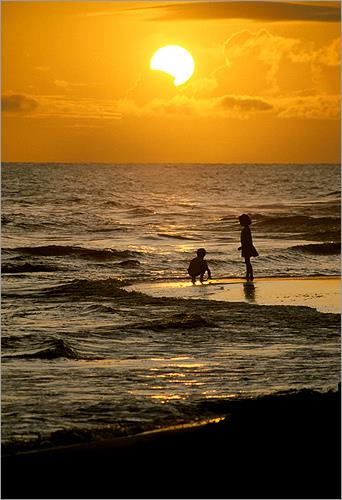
(18, 103)
(203, 85)
(56, 106)
(269, 57)
(88, 112)
(262, 47)
(330, 55)
(61, 83)
(248, 104)
(257, 11)
(227, 106)
(230, 106)
(322, 107)
(81, 108)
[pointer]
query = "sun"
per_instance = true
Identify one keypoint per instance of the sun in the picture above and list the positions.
(174, 60)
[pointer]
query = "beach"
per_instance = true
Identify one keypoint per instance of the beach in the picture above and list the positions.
(284, 446)
(113, 363)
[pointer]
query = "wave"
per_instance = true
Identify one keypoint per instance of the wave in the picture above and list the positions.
(5, 220)
(326, 235)
(129, 263)
(27, 268)
(140, 212)
(74, 251)
(52, 350)
(112, 203)
(296, 223)
(319, 248)
(84, 288)
(107, 229)
(76, 435)
(287, 403)
(333, 194)
(101, 308)
(177, 236)
(181, 320)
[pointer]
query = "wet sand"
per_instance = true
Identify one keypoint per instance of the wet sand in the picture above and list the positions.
(283, 446)
(321, 293)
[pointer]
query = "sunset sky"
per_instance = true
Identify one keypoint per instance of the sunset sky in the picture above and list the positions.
(77, 86)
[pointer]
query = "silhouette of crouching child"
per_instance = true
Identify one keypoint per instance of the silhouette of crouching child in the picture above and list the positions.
(198, 266)
(247, 248)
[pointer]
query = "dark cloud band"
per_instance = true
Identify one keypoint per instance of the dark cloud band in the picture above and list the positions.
(258, 11)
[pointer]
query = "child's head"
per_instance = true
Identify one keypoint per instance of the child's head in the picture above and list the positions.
(245, 220)
(201, 253)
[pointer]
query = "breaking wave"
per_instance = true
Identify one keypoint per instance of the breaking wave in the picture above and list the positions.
(84, 288)
(27, 268)
(51, 350)
(74, 251)
(319, 248)
(297, 223)
(182, 412)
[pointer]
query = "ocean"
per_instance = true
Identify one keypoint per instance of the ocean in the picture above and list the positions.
(84, 358)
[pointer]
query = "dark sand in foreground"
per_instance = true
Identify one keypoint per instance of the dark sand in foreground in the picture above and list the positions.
(285, 446)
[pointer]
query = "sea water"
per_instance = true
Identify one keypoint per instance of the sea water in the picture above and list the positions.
(83, 358)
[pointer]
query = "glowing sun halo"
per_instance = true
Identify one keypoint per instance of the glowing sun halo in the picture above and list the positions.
(174, 60)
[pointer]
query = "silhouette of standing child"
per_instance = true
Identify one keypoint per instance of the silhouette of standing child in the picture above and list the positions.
(198, 266)
(247, 248)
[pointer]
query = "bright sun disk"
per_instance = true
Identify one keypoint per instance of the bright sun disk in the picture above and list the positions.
(174, 60)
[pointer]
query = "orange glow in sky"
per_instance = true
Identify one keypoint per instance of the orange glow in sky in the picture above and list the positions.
(77, 84)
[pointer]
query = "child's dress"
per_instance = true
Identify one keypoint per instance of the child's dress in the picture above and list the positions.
(247, 247)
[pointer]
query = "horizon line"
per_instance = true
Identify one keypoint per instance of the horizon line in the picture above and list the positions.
(169, 163)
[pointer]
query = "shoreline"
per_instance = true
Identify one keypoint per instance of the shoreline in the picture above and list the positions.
(318, 292)
(280, 446)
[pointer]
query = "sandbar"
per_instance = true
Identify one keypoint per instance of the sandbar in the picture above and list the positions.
(321, 293)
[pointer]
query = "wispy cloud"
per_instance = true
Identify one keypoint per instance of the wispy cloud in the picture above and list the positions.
(56, 106)
(257, 11)
(69, 85)
(80, 108)
(18, 103)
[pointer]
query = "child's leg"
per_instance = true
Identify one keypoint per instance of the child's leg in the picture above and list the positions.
(249, 269)
(246, 262)
(251, 277)
(193, 279)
